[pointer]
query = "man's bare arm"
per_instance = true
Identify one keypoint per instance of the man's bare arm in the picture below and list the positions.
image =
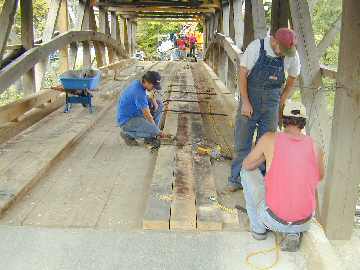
(287, 89)
(256, 157)
(148, 116)
(246, 108)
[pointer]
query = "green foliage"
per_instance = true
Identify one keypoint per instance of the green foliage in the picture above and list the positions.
(324, 16)
(40, 10)
(9, 96)
(150, 32)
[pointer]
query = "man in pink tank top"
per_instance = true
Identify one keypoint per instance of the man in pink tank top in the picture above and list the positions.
(283, 200)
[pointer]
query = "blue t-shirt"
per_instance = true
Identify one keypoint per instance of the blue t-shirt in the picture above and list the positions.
(132, 102)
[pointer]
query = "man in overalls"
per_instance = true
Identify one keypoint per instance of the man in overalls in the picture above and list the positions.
(262, 75)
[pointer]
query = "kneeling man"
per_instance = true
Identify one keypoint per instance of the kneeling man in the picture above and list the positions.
(283, 200)
(134, 116)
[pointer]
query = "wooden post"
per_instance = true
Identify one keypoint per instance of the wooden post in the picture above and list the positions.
(6, 21)
(259, 21)
(63, 26)
(115, 28)
(238, 22)
(50, 25)
(27, 40)
(130, 33)
(341, 192)
(231, 20)
(248, 25)
(226, 28)
(126, 35)
(99, 48)
(280, 13)
(134, 36)
(104, 28)
(86, 45)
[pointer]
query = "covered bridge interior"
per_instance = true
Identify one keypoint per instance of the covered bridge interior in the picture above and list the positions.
(73, 173)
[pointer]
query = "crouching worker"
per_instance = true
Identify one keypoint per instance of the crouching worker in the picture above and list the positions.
(283, 200)
(133, 113)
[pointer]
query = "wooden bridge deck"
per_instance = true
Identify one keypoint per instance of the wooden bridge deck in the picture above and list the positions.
(74, 170)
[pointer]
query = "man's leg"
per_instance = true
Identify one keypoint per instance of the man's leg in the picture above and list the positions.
(139, 127)
(268, 122)
(244, 133)
(254, 193)
(158, 113)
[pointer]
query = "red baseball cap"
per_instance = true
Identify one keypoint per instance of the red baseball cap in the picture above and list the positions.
(287, 41)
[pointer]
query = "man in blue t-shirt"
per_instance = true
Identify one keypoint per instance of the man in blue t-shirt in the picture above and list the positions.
(134, 115)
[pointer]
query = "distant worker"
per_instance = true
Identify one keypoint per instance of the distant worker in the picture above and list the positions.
(262, 75)
(284, 200)
(139, 115)
(182, 47)
(192, 44)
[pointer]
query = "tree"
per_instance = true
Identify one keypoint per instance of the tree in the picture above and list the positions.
(149, 32)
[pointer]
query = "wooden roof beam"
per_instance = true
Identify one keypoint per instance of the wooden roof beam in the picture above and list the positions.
(162, 9)
(168, 4)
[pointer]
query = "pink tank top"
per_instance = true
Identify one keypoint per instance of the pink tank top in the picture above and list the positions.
(292, 179)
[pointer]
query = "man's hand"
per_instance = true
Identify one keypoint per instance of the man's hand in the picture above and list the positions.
(246, 108)
(156, 105)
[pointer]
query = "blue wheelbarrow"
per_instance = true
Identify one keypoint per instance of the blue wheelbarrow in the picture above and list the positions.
(78, 85)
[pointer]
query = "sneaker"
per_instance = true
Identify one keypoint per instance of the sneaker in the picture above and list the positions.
(128, 140)
(259, 236)
(291, 242)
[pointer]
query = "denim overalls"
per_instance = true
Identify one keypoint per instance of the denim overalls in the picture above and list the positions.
(264, 89)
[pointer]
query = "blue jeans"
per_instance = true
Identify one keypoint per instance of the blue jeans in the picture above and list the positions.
(139, 127)
(260, 220)
(264, 119)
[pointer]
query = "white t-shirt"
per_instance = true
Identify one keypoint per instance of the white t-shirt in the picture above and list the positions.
(252, 52)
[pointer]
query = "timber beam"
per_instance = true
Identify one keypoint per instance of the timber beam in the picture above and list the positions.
(26, 61)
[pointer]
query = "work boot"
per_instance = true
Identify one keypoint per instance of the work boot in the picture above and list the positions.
(259, 236)
(230, 189)
(128, 140)
(291, 242)
(153, 142)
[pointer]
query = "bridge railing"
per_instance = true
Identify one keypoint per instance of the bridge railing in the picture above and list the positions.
(222, 51)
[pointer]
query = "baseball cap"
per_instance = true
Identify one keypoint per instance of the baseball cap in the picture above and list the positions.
(294, 109)
(153, 77)
(287, 41)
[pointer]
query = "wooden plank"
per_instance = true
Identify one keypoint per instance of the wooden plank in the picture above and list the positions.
(6, 21)
(27, 40)
(183, 211)
(15, 109)
(208, 214)
(18, 179)
(341, 187)
(157, 213)
(67, 208)
(11, 129)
